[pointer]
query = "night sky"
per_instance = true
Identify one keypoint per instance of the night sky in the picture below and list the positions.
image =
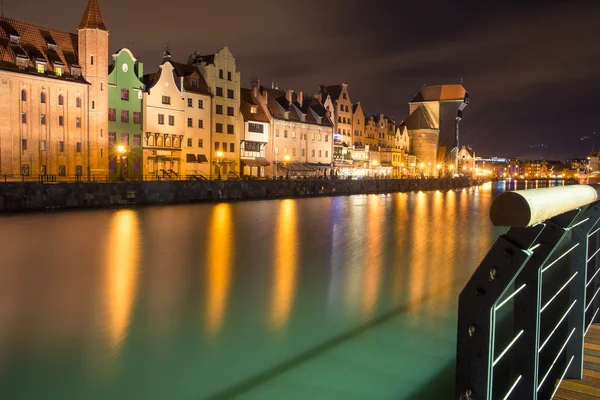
(532, 68)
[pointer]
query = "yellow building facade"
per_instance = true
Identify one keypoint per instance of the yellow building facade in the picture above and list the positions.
(220, 72)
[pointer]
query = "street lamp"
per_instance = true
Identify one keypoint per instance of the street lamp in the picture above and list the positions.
(439, 167)
(286, 159)
(121, 150)
(218, 163)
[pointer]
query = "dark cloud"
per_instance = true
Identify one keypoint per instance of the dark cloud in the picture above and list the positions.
(531, 67)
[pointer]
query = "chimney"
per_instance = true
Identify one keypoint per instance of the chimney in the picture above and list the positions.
(288, 94)
(300, 98)
(265, 96)
(272, 84)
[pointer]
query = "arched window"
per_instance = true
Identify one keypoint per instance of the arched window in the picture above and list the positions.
(167, 140)
(23, 95)
(43, 97)
(159, 141)
(61, 99)
(150, 140)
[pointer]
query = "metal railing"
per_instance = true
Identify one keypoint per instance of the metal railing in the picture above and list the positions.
(525, 311)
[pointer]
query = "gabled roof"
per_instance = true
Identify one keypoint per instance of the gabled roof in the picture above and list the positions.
(420, 119)
(311, 107)
(187, 70)
(92, 17)
(455, 92)
(33, 42)
(247, 101)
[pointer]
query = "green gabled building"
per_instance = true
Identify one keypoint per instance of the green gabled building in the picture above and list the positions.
(125, 90)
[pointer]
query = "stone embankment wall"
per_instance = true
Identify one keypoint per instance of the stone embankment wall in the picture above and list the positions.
(21, 197)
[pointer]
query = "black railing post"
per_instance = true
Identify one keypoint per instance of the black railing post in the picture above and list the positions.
(477, 316)
(577, 292)
(527, 305)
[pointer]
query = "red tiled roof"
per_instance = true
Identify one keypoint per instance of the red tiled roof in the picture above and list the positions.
(34, 42)
(92, 17)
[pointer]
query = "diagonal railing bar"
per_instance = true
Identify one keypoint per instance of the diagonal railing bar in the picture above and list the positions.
(558, 325)
(563, 287)
(514, 385)
(591, 321)
(556, 358)
(547, 267)
(562, 376)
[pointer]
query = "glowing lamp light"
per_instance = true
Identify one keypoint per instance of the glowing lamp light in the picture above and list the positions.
(121, 148)
(422, 165)
(286, 158)
(219, 154)
(439, 166)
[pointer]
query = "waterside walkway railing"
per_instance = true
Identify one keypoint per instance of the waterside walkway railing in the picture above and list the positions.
(525, 311)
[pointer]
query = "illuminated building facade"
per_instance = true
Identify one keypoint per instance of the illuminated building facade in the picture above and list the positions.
(54, 98)
(424, 139)
(164, 122)
(223, 79)
(302, 133)
(125, 92)
(257, 131)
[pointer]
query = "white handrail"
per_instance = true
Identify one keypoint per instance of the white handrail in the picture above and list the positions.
(523, 208)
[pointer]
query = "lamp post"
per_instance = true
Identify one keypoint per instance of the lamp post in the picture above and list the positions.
(286, 159)
(218, 163)
(121, 150)
(439, 168)
(421, 166)
(451, 166)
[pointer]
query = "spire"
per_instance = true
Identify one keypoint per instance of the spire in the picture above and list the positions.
(92, 17)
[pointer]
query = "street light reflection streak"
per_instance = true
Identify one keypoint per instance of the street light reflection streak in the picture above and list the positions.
(373, 258)
(220, 254)
(285, 264)
(121, 275)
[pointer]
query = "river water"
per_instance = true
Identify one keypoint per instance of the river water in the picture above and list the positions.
(323, 298)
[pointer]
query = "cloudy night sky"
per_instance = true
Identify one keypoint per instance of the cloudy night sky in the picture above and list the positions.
(532, 68)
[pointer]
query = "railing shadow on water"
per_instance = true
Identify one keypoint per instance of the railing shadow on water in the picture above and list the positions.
(524, 313)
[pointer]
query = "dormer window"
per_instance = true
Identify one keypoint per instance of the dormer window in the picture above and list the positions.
(22, 63)
(253, 109)
(76, 72)
(41, 68)
(14, 39)
(58, 70)
(194, 82)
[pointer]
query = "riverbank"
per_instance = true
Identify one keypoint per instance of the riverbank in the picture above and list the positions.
(22, 197)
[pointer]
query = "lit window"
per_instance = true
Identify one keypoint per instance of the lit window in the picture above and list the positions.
(58, 71)
(41, 68)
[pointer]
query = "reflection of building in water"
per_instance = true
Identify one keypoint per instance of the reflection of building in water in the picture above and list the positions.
(285, 264)
(220, 257)
(121, 275)
(373, 254)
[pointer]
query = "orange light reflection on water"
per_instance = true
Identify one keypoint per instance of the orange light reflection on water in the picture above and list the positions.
(373, 257)
(220, 255)
(121, 275)
(285, 264)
